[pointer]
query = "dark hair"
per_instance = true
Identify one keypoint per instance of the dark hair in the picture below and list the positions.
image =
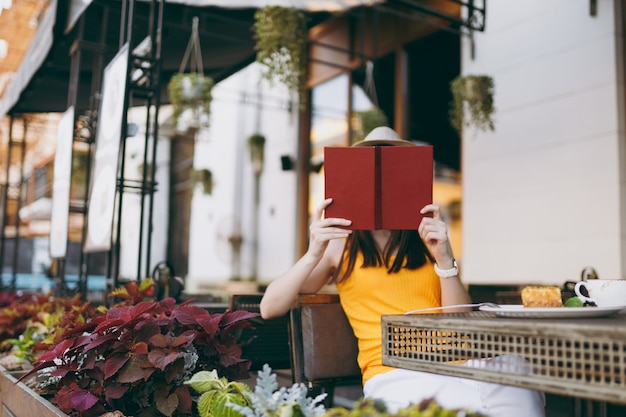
(410, 251)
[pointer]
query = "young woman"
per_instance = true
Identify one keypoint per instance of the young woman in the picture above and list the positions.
(391, 272)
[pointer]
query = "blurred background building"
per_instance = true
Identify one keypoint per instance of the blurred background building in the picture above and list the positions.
(536, 200)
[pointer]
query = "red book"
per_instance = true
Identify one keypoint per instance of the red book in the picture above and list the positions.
(379, 187)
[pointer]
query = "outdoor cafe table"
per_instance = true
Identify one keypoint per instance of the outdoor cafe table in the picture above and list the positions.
(581, 357)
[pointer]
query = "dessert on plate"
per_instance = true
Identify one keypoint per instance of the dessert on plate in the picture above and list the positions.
(541, 296)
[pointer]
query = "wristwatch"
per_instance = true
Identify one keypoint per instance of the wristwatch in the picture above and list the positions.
(448, 273)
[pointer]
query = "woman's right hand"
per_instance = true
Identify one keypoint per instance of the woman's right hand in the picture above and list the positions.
(312, 270)
(322, 231)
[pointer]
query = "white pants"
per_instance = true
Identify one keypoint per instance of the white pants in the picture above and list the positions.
(401, 387)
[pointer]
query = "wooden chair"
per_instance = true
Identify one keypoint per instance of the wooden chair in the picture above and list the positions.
(323, 347)
(268, 342)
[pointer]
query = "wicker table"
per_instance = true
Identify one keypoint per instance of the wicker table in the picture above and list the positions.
(583, 358)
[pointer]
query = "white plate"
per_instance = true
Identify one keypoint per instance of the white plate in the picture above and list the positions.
(551, 313)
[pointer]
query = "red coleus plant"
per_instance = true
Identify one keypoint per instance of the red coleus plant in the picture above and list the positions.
(135, 358)
(17, 312)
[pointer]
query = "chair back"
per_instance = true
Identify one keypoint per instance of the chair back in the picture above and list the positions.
(268, 341)
(323, 346)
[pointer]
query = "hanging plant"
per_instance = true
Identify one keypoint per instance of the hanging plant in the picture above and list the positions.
(191, 91)
(365, 121)
(204, 177)
(281, 35)
(472, 96)
(256, 146)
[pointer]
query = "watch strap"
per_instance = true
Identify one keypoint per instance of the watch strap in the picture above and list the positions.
(447, 273)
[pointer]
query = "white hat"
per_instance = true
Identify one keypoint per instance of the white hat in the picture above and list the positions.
(384, 135)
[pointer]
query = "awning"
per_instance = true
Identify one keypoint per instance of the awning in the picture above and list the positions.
(36, 55)
(41, 84)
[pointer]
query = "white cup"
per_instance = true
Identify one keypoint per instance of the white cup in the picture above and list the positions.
(603, 292)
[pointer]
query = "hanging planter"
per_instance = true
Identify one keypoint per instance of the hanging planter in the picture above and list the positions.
(365, 121)
(256, 146)
(191, 90)
(204, 177)
(472, 102)
(281, 36)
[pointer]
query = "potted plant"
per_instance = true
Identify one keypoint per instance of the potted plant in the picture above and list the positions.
(203, 177)
(216, 393)
(267, 399)
(193, 91)
(375, 408)
(270, 400)
(256, 146)
(472, 102)
(28, 319)
(281, 46)
(135, 356)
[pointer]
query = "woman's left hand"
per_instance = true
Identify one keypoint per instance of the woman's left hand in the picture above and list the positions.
(434, 233)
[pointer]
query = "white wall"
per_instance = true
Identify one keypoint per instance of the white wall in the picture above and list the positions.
(542, 193)
(222, 148)
(129, 241)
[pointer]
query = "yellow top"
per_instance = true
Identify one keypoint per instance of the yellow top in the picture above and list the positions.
(370, 292)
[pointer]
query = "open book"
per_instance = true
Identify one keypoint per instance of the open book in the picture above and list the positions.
(379, 187)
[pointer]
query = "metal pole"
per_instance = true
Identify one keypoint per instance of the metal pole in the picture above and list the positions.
(122, 156)
(156, 48)
(19, 204)
(5, 199)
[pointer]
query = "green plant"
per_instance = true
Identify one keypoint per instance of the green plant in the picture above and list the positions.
(472, 102)
(204, 177)
(377, 408)
(191, 91)
(216, 393)
(268, 400)
(281, 46)
(256, 146)
(367, 120)
(136, 356)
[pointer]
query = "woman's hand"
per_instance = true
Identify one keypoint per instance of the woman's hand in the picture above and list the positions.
(434, 233)
(322, 231)
(312, 270)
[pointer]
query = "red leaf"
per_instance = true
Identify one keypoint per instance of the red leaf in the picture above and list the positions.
(189, 315)
(133, 370)
(182, 340)
(230, 355)
(114, 363)
(107, 325)
(210, 325)
(57, 352)
(167, 405)
(116, 391)
(160, 358)
(141, 347)
(160, 340)
(83, 400)
(184, 400)
(72, 398)
(99, 339)
(231, 317)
